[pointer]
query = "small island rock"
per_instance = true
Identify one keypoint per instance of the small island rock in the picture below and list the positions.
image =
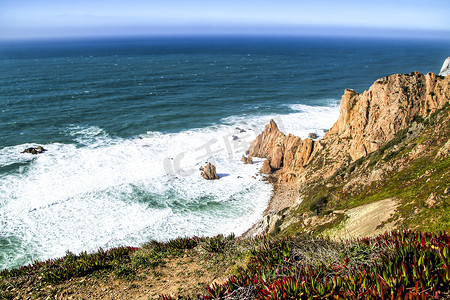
(312, 135)
(247, 160)
(33, 150)
(209, 172)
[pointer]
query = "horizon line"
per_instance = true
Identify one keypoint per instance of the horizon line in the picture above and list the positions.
(236, 31)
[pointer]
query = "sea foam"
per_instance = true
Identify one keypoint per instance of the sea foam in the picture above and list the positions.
(105, 191)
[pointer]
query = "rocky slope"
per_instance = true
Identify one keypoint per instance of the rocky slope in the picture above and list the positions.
(384, 164)
(367, 125)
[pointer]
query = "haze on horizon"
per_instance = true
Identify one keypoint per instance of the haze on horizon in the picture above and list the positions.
(34, 19)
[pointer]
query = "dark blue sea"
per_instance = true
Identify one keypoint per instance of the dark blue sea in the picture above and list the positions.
(128, 122)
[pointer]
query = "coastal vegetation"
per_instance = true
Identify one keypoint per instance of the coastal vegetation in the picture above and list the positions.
(396, 265)
(297, 251)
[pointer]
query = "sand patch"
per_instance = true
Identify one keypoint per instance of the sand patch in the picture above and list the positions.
(367, 220)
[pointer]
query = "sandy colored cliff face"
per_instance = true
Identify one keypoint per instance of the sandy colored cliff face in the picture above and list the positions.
(288, 153)
(366, 122)
(372, 118)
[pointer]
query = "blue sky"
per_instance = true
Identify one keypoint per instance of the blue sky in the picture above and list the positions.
(62, 18)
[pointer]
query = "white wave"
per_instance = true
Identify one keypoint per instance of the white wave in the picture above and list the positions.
(305, 119)
(90, 136)
(11, 155)
(106, 191)
(100, 195)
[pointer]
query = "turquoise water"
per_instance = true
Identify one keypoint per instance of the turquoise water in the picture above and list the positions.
(128, 122)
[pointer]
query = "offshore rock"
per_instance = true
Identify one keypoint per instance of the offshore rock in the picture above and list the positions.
(247, 160)
(445, 70)
(32, 150)
(312, 135)
(209, 172)
(269, 145)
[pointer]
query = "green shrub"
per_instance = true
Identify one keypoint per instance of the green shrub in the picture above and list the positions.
(217, 244)
(399, 265)
(398, 138)
(183, 243)
(319, 204)
(147, 258)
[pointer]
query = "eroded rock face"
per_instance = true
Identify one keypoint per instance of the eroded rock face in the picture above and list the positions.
(370, 119)
(282, 152)
(444, 151)
(432, 200)
(209, 172)
(266, 168)
(366, 122)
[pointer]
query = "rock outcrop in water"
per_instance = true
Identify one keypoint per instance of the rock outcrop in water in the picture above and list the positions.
(209, 172)
(33, 150)
(247, 160)
(366, 122)
(312, 135)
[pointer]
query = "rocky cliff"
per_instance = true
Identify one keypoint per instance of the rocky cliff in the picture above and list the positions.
(366, 122)
(370, 119)
(379, 133)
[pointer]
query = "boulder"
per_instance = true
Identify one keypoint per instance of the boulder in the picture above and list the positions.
(266, 168)
(33, 150)
(209, 172)
(445, 70)
(432, 200)
(247, 160)
(312, 135)
(444, 151)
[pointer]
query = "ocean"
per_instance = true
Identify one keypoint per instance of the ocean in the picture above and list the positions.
(128, 122)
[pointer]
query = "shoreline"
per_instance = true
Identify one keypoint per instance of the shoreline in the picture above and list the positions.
(358, 152)
(284, 195)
